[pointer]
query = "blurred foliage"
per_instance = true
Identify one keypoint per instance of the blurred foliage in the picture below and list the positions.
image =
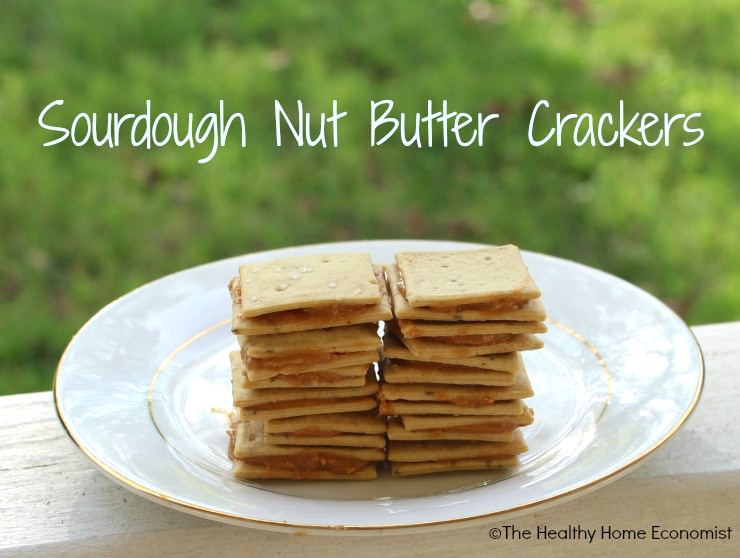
(82, 226)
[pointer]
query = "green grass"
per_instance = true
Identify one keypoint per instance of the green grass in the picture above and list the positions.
(81, 226)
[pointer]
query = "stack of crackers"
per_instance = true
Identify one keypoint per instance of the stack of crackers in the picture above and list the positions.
(453, 377)
(304, 380)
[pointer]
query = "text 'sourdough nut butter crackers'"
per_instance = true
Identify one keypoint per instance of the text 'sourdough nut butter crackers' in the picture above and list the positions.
(304, 379)
(451, 383)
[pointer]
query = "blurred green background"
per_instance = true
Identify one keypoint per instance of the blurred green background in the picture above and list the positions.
(82, 226)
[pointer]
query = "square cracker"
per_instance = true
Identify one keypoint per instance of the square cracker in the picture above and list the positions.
(465, 276)
(250, 443)
(359, 423)
(393, 348)
(448, 449)
(307, 282)
(451, 393)
(409, 371)
(482, 433)
(304, 319)
(244, 470)
(334, 439)
(349, 376)
(435, 347)
(401, 407)
(423, 422)
(345, 339)
(427, 328)
(255, 458)
(302, 407)
(260, 368)
(244, 397)
(428, 467)
(531, 310)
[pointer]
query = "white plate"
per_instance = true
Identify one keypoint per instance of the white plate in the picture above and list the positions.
(144, 390)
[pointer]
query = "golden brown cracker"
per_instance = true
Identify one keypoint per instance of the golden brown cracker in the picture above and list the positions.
(244, 470)
(393, 348)
(425, 328)
(345, 339)
(327, 438)
(411, 371)
(314, 318)
(250, 443)
(400, 407)
(532, 310)
(261, 368)
(464, 395)
(482, 433)
(462, 277)
(399, 469)
(302, 407)
(309, 281)
(364, 423)
(422, 422)
(435, 347)
(349, 376)
(447, 449)
(245, 397)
